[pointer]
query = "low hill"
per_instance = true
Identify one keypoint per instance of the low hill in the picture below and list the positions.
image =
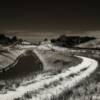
(27, 63)
(90, 44)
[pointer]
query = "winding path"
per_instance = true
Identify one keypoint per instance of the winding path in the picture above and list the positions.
(45, 89)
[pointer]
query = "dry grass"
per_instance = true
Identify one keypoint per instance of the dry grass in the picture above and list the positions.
(88, 89)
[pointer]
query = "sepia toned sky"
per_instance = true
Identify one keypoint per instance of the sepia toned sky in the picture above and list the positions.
(49, 16)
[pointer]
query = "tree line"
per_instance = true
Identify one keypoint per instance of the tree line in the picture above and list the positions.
(70, 41)
(5, 40)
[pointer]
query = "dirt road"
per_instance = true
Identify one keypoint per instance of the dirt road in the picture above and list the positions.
(54, 86)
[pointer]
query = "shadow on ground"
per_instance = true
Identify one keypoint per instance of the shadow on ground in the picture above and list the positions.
(26, 64)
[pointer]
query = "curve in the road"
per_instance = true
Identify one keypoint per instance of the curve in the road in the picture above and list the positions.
(66, 83)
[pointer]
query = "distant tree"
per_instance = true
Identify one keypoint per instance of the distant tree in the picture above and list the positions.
(62, 38)
(45, 39)
(53, 40)
(14, 38)
(2, 36)
(20, 40)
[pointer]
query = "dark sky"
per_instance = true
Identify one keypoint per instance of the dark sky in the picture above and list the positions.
(49, 16)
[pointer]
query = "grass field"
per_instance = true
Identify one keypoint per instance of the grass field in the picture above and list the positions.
(55, 63)
(89, 88)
